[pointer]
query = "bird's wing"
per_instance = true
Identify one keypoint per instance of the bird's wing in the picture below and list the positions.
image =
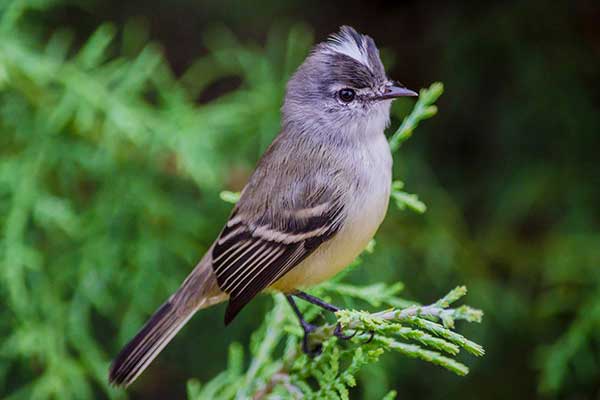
(249, 256)
(286, 211)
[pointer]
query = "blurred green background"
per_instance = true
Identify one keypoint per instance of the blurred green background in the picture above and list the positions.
(120, 123)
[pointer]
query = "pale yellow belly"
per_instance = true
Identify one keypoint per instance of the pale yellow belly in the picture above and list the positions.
(336, 254)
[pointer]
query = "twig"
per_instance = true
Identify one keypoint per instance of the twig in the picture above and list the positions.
(423, 109)
(419, 316)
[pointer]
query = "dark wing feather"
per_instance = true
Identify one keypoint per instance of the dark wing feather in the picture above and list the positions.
(248, 257)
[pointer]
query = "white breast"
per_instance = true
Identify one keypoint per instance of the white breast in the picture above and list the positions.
(364, 215)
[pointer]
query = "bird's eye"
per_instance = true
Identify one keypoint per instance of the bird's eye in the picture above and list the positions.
(347, 95)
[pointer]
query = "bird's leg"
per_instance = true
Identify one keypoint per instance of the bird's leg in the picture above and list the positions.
(326, 306)
(306, 327)
(316, 301)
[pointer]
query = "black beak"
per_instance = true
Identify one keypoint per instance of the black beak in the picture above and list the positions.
(394, 91)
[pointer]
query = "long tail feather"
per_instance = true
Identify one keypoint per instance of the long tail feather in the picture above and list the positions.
(147, 344)
(199, 290)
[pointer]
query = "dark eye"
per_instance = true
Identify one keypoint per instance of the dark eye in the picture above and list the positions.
(347, 95)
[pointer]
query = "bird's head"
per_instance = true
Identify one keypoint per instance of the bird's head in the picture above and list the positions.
(342, 83)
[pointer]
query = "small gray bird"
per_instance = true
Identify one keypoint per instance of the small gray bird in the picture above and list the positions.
(316, 198)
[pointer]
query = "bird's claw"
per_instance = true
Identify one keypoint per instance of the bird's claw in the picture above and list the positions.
(371, 336)
(337, 332)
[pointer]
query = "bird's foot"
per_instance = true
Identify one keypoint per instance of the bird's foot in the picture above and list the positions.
(371, 336)
(308, 328)
(338, 333)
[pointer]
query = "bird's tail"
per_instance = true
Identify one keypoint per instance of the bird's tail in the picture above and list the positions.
(145, 346)
(196, 292)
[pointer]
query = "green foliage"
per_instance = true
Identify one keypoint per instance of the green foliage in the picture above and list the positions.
(111, 167)
(90, 136)
(279, 370)
(424, 109)
(108, 171)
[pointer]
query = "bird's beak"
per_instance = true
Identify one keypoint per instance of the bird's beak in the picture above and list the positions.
(394, 90)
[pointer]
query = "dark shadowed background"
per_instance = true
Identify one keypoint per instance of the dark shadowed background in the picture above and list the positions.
(105, 212)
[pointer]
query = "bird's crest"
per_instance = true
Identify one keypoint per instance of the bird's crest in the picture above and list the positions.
(352, 44)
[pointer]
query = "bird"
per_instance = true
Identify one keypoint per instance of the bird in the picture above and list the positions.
(316, 198)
